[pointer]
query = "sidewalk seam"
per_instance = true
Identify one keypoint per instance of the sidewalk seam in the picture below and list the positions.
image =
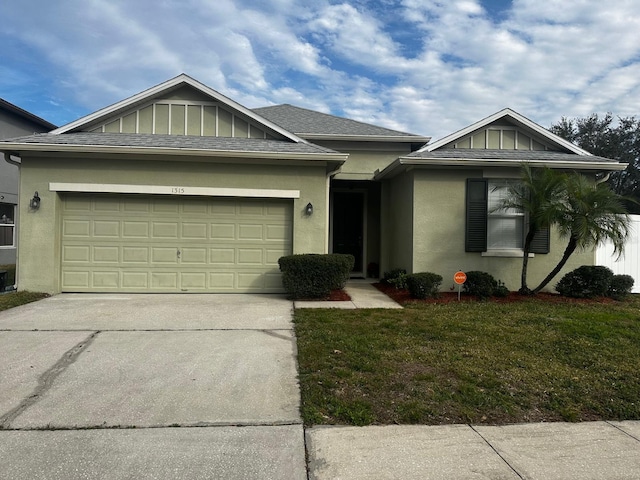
(496, 452)
(45, 381)
(622, 430)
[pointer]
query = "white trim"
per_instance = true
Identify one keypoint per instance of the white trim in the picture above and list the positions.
(172, 190)
(515, 116)
(158, 90)
(507, 253)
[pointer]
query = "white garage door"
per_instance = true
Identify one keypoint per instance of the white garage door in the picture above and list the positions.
(121, 243)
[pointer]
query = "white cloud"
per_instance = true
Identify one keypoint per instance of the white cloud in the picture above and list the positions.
(429, 67)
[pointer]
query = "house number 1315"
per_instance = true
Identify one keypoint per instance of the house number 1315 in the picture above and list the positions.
(177, 189)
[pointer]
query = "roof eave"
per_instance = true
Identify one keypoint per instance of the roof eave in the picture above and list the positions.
(399, 164)
(15, 148)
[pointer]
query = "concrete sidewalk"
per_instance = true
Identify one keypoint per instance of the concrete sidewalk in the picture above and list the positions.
(539, 451)
(363, 295)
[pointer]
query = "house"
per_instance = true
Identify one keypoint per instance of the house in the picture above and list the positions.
(181, 189)
(14, 122)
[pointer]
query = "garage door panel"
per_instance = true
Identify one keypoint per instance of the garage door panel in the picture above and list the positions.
(109, 254)
(134, 254)
(135, 229)
(250, 232)
(173, 244)
(196, 256)
(164, 230)
(76, 228)
(164, 280)
(223, 231)
(103, 228)
(105, 279)
(74, 254)
(135, 280)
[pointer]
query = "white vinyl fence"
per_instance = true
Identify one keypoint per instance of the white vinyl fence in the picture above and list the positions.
(629, 262)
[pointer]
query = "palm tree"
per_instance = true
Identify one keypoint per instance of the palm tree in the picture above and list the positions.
(592, 214)
(540, 194)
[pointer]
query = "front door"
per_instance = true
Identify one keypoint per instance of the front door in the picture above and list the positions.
(348, 226)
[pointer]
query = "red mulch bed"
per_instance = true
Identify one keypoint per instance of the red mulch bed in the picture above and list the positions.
(403, 297)
(334, 296)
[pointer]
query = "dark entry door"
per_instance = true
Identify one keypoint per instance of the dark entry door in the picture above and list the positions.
(348, 226)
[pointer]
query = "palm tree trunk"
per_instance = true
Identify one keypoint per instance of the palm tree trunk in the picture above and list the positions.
(571, 247)
(524, 289)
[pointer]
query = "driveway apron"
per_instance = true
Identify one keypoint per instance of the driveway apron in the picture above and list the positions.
(150, 386)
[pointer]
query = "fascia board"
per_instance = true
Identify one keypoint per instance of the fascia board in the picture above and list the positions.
(12, 148)
(506, 112)
(403, 162)
(169, 84)
(366, 138)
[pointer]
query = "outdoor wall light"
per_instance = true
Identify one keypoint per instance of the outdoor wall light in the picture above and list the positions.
(308, 209)
(34, 203)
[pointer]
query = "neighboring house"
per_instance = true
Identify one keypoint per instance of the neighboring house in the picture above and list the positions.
(181, 189)
(14, 122)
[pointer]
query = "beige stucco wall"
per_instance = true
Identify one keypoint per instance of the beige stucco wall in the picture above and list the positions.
(39, 236)
(365, 157)
(397, 223)
(439, 230)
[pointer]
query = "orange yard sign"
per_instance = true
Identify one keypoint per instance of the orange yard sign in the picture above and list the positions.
(460, 278)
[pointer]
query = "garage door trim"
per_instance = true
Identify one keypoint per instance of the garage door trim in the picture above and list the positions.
(173, 190)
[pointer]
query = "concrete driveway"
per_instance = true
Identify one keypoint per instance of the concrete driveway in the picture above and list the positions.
(150, 386)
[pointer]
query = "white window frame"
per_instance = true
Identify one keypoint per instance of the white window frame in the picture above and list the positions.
(11, 225)
(496, 186)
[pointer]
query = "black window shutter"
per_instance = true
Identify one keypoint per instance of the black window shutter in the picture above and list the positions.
(476, 215)
(541, 241)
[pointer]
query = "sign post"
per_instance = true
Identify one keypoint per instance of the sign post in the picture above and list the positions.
(459, 277)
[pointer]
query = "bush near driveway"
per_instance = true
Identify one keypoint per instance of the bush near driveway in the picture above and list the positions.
(480, 362)
(314, 275)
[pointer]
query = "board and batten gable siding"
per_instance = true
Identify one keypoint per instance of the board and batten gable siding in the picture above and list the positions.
(182, 112)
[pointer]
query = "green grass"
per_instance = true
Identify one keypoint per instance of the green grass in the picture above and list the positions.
(15, 299)
(482, 362)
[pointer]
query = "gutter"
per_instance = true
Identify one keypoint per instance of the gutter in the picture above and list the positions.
(398, 164)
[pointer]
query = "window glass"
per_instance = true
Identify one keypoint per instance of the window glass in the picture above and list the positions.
(504, 227)
(7, 225)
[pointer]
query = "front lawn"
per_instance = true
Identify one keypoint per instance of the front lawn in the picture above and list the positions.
(481, 363)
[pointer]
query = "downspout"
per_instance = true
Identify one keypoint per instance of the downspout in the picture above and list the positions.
(604, 179)
(10, 161)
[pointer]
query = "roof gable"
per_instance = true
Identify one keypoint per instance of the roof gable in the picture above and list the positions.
(507, 119)
(25, 115)
(182, 90)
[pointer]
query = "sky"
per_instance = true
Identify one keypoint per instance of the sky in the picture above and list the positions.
(429, 67)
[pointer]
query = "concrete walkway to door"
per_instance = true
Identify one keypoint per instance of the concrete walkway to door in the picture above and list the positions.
(150, 386)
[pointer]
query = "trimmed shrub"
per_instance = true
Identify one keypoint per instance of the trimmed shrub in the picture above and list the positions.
(396, 277)
(620, 286)
(587, 281)
(501, 290)
(423, 284)
(481, 284)
(314, 275)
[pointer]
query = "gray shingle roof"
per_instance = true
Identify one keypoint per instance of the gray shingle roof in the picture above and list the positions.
(170, 141)
(308, 122)
(515, 155)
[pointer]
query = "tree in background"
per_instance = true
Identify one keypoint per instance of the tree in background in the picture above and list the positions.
(620, 141)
